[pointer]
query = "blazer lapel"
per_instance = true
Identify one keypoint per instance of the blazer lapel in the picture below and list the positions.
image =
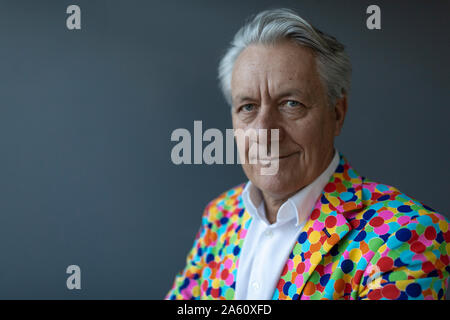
(232, 240)
(326, 226)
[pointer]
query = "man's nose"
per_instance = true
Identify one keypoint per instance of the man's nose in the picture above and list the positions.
(268, 120)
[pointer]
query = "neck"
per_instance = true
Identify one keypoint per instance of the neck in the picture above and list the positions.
(273, 203)
(271, 211)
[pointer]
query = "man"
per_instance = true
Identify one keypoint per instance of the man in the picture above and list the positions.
(315, 229)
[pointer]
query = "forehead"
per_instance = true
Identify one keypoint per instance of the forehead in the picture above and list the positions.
(273, 67)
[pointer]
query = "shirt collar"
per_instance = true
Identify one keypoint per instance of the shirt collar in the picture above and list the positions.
(298, 206)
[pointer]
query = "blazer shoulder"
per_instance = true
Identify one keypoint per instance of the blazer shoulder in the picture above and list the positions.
(227, 203)
(385, 204)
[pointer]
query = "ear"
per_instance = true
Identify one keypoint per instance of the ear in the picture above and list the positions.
(340, 110)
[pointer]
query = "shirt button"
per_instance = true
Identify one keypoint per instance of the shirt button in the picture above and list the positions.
(255, 285)
(268, 233)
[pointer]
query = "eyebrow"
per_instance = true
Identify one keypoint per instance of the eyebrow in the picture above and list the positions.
(290, 92)
(285, 93)
(241, 98)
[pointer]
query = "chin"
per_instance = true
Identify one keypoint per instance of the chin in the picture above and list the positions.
(281, 184)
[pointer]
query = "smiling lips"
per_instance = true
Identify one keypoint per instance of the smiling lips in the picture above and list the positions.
(277, 158)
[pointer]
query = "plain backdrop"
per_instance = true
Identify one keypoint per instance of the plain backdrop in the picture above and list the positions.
(86, 116)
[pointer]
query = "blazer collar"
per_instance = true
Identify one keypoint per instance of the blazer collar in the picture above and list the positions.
(326, 226)
(298, 206)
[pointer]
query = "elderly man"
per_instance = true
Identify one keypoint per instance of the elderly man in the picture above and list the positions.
(315, 229)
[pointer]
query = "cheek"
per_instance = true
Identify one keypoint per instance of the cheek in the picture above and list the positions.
(312, 131)
(237, 126)
(304, 132)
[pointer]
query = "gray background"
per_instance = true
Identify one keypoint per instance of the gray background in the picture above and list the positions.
(86, 117)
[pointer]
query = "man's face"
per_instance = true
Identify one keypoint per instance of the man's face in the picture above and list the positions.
(278, 87)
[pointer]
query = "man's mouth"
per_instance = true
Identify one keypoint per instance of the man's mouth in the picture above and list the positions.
(270, 159)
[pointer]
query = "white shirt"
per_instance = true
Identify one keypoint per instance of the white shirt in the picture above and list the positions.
(267, 246)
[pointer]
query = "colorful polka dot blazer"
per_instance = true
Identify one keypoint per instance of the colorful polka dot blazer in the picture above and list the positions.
(364, 240)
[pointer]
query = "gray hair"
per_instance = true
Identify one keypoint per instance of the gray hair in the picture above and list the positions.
(270, 26)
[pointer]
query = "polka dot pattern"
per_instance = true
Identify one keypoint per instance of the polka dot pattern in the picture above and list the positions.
(364, 240)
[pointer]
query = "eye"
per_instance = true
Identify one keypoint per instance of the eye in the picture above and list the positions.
(293, 103)
(247, 107)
